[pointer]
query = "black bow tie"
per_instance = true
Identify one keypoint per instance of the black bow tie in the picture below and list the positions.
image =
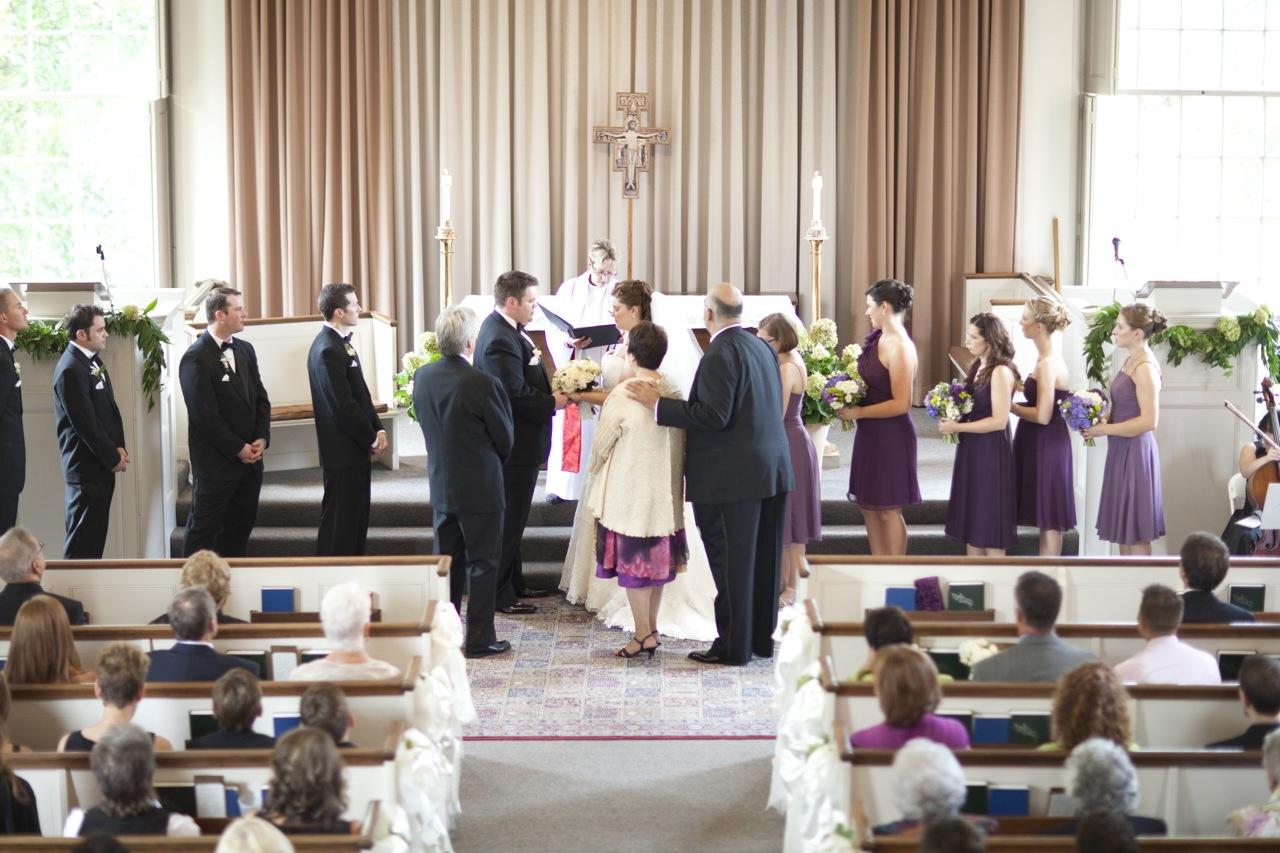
(346, 339)
(224, 346)
(95, 361)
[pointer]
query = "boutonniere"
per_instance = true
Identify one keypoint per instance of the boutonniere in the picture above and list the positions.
(537, 356)
(97, 371)
(351, 351)
(17, 368)
(226, 362)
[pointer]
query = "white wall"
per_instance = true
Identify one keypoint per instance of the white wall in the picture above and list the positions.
(198, 64)
(1049, 157)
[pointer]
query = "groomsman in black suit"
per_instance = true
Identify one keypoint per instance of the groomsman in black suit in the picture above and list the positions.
(90, 433)
(507, 354)
(13, 448)
(347, 427)
(466, 422)
(228, 429)
(737, 474)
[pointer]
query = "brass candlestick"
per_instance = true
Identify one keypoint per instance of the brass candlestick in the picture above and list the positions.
(816, 235)
(445, 235)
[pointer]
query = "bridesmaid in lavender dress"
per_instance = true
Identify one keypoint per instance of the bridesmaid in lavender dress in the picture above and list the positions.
(802, 522)
(882, 476)
(1130, 511)
(981, 512)
(1042, 444)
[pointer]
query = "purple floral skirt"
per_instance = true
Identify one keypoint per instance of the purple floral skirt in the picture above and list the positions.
(639, 561)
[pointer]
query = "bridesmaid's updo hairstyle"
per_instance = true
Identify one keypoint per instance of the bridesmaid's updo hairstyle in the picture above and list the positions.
(1144, 318)
(897, 293)
(634, 293)
(647, 344)
(1050, 313)
(780, 329)
(999, 348)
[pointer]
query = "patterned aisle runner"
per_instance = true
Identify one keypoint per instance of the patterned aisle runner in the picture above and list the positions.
(561, 679)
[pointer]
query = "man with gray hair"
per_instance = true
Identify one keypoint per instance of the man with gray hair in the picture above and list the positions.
(1101, 778)
(466, 422)
(193, 618)
(21, 569)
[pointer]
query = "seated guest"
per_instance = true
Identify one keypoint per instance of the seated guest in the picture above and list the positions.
(324, 707)
(237, 702)
(1039, 655)
(123, 764)
(906, 683)
(1166, 659)
(252, 835)
(952, 835)
(41, 647)
(928, 785)
(1260, 695)
(18, 813)
(1101, 778)
(345, 611)
(193, 619)
(205, 568)
(1262, 821)
(1105, 832)
(1203, 564)
(6, 703)
(120, 682)
(1090, 702)
(885, 626)
(22, 568)
(308, 792)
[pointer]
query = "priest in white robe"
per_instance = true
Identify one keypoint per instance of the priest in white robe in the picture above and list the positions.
(583, 301)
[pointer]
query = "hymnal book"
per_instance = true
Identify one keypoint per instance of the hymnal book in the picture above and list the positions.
(279, 599)
(258, 656)
(990, 729)
(1030, 728)
(1229, 664)
(211, 797)
(900, 596)
(2, 663)
(964, 718)
(177, 797)
(1008, 801)
(1250, 596)
(309, 655)
(975, 798)
(1061, 804)
(283, 661)
(202, 723)
(948, 663)
(282, 723)
(601, 336)
(969, 595)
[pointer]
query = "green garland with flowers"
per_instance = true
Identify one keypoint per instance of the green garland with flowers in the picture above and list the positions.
(48, 338)
(428, 352)
(1218, 347)
(821, 361)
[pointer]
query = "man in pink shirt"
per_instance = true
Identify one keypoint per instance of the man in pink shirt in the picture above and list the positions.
(1166, 659)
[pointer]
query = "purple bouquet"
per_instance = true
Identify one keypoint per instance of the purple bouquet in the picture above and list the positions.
(841, 391)
(1084, 409)
(948, 400)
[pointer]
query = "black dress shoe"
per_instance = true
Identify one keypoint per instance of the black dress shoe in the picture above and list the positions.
(492, 649)
(554, 499)
(534, 593)
(710, 656)
(518, 609)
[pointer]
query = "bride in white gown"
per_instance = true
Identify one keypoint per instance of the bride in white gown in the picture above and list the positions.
(687, 610)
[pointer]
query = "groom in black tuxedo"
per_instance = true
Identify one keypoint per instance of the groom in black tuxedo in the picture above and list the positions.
(507, 354)
(90, 433)
(347, 427)
(737, 474)
(13, 448)
(228, 428)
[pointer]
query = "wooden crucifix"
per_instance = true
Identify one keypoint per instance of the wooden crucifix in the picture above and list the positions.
(633, 142)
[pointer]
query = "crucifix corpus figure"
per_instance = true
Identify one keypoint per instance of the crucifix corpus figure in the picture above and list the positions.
(632, 140)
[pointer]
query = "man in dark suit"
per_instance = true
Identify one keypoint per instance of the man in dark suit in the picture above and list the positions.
(13, 448)
(1203, 563)
(347, 428)
(737, 474)
(228, 428)
(22, 567)
(237, 702)
(507, 354)
(90, 433)
(466, 423)
(193, 620)
(1260, 697)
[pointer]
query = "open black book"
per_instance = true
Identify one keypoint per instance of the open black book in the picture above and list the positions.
(601, 336)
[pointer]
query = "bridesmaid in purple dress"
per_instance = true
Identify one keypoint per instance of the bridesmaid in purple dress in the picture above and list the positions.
(1042, 444)
(1130, 511)
(981, 512)
(802, 520)
(882, 476)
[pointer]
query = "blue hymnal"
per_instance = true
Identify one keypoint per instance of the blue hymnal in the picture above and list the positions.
(900, 596)
(1008, 800)
(284, 723)
(233, 803)
(990, 729)
(278, 599)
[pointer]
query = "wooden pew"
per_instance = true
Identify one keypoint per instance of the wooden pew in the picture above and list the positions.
(133, 592)
(1031, 844)
(41, 714)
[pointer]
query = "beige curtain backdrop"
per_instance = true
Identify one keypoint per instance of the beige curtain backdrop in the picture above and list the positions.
(310, 102)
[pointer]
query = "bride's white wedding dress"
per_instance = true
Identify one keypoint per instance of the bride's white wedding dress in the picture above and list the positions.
(687, 610)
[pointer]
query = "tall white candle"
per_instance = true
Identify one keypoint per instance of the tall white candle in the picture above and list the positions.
(817, 197)
(446, 186)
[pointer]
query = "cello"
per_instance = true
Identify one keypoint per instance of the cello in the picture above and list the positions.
(1262, 479)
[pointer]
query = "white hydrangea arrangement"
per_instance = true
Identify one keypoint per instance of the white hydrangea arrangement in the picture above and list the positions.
(428, 351)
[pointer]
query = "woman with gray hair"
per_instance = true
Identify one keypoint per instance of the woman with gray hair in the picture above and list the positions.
(345, 612)
(1101, 778)
(123, 763)
(928, 784)
(1262, 821)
